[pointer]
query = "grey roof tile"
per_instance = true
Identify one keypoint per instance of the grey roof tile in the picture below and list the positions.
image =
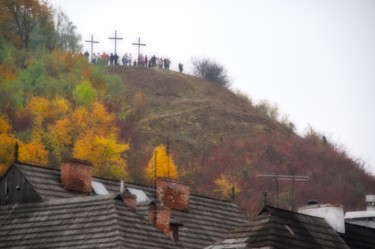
(81, 222)
(278, 228)
(208, 219)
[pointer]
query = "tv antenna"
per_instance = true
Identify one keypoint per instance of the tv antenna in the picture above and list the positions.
(291, 177)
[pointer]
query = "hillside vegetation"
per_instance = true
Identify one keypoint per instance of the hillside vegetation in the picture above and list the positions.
(219, 140)
(54, 105)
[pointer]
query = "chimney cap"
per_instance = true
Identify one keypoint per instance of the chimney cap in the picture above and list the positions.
(312, 202)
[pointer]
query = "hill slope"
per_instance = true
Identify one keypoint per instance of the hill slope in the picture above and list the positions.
(215, 134)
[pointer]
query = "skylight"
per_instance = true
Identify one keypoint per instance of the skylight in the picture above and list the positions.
(99, 188)
(140, 194)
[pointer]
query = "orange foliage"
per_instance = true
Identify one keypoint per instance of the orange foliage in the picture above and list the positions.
(7, 143)
(33, 153)
(39, 108)
(86, 73)
(7, 73)
(62, 129)
(60, 106)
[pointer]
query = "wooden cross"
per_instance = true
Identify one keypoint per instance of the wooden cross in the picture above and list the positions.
(115, 38)
(139, 44)
(92, 43)
(291, 177)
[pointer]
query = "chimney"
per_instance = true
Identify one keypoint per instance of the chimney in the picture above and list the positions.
(76, 175)
(370, 202)
(334, 215)
(173, 194)
(162, 219)
(129, 199)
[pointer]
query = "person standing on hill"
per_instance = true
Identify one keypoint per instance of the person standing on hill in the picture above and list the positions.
(130, 57)
(115, 58)
(180, 67)
(86, 54)
(111, 58)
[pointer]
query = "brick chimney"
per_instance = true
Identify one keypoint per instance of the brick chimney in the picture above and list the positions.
(163, 217)
(76, 175)
(129, 199)
(173, 194)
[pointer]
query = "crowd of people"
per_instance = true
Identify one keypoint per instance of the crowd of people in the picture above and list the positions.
(127, 60)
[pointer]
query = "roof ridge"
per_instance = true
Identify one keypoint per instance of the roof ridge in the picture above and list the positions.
(21, 165)
(72, 200)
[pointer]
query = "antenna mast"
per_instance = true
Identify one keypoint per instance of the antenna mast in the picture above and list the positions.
(291, 177)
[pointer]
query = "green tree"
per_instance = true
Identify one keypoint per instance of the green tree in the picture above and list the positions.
(66, 37)
(84, 94)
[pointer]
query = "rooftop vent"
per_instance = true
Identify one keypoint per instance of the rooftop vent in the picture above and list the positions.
(140, 194)
(99, 188)
(370, 202)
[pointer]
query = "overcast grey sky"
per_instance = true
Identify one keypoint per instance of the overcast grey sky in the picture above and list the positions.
(314, 58)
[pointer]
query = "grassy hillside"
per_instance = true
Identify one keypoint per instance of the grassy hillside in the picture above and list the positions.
(215, 134)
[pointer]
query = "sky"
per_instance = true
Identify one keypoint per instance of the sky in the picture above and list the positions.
(314, 59)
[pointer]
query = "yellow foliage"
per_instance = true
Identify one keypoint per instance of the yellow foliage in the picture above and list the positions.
(62, 130)
(226, 186)
(165, 166)
(40, 109)
(60, 107)
(5, 126)
(33, 153)
(101, 120)
(7, 144)
(79, 120)
(105, 153)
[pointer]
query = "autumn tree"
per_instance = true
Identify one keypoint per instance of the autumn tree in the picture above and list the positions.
(165, 166)
(94, 136)
(104, 152)
(33, 152)
(27, 22)
(226, 186)
(7, 143)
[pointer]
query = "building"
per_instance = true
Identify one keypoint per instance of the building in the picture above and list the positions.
(68, 208)
(364, 218)
(313, 226)
(278, 228)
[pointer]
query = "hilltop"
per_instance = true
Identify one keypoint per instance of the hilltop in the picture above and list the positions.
(215, 134)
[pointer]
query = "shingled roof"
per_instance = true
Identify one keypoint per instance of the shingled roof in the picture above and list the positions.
(358, 237)
(89, 222)
(206, 221)
(278, 228)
